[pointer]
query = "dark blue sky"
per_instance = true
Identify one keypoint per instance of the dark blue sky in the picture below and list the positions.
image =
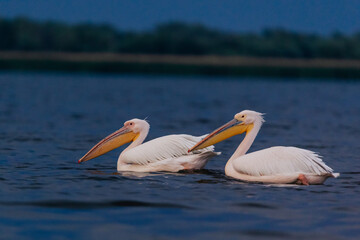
(321, 16)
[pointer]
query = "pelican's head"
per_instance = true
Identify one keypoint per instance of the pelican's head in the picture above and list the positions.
(243, 121)
(249, 117)
(129, 132)
(137, 125)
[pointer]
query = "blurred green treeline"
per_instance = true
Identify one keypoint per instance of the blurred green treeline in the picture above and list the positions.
(22, 34)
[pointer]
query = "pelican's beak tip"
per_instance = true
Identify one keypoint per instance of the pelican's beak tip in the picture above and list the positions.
(79, 161)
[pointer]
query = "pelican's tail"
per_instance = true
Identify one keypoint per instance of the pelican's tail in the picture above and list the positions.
(335, 175)
(199, 161)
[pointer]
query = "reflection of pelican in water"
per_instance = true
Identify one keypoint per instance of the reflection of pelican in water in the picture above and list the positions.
(168, 153)
(271, 165)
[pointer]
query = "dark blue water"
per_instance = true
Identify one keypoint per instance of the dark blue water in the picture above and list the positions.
(48, 121)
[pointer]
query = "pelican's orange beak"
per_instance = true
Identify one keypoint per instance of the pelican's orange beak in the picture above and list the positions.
(118, 138)
(232, 128)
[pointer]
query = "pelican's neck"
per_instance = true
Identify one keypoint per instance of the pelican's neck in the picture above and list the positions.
(247, 142)
(139, 140)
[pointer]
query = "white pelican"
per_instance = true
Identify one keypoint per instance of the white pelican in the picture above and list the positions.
(168, 153)
(272, 165)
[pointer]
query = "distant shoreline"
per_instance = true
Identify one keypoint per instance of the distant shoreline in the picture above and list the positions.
(180, 64)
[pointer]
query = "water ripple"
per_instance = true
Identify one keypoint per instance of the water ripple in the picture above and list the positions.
(66, 204)
(255, 205)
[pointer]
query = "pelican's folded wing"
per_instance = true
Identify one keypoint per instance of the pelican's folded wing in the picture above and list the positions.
(281, 160)
(171, 146)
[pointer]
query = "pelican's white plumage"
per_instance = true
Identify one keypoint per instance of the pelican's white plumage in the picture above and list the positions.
(271, 165)
(171, 146)
(168, 153)
(277, 160)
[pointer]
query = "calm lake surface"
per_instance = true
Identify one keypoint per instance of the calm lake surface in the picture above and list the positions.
(48, 121)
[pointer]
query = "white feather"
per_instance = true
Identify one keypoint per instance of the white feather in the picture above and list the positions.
(168, 153)
(281, 160)
(162, 148)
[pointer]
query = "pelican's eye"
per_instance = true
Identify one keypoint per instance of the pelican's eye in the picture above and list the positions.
(242, 116)
(131, 123)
